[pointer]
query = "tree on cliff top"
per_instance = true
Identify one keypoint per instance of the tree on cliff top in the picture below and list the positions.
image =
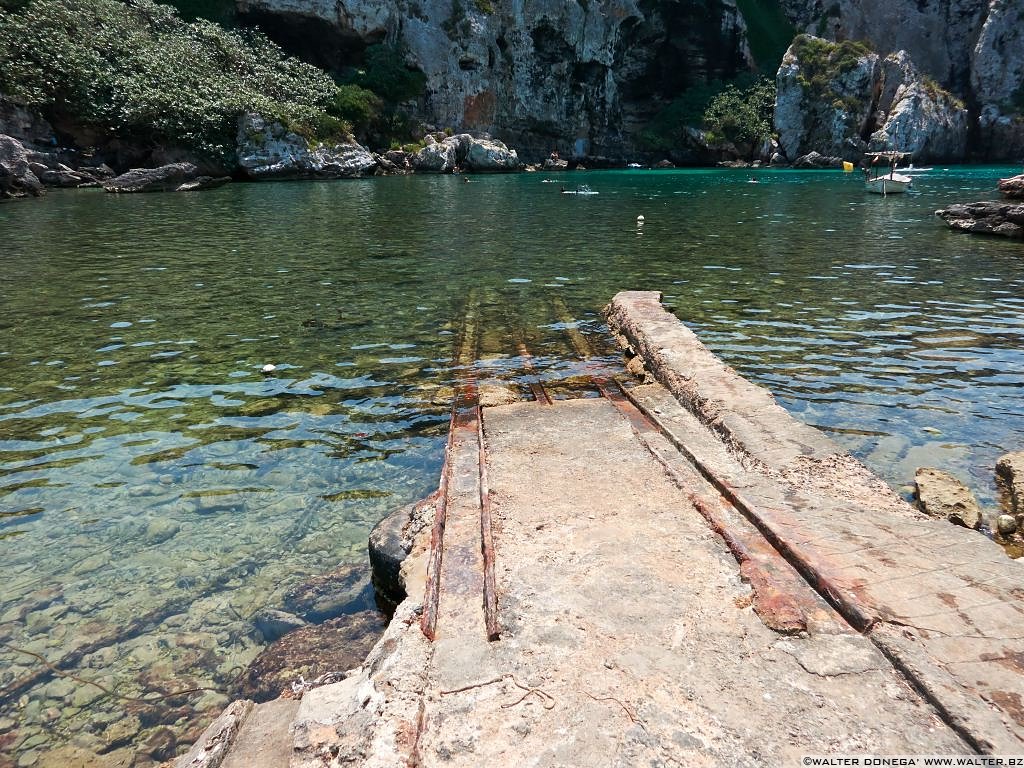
(138, 72)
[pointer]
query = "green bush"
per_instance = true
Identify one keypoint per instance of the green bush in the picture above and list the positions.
(729, 111)
(355, 105)
(742, 116)
(822, 61)
(385, 73)
(219, 11)
(141, 73)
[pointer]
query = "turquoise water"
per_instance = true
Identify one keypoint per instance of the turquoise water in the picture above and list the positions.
(152, 478)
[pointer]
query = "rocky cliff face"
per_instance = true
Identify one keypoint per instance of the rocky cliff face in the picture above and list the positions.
(579, 76)
(973, 48)
(843, 99)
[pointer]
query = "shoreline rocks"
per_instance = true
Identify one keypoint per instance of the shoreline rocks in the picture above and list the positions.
(268, 150)
(465, 152)
(16, 177)
(390, 542)
(309, 652)
(939, 494)
(175, 177)
(986, 218)
(1013, 187)
(1010, 481)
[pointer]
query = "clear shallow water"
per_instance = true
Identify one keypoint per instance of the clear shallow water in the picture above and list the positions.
(150, 473)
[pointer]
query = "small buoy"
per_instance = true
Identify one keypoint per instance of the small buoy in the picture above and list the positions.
(268, 368)
(640, 219)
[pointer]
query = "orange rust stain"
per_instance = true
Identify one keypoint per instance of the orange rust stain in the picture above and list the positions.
(1013, 660)
(478, 109)
(1010, 703)
(778, 610)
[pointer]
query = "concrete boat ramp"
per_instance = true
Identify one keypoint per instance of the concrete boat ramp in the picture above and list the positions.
(674, 573)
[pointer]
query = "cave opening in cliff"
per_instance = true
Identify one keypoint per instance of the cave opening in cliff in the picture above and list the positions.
(315, 41)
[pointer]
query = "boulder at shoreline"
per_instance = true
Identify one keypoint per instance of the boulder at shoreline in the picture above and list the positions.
(268, 150)
(175, 177)
(986, 218)
(16, 178)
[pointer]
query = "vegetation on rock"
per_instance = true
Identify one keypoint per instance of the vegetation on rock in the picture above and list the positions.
(140, 73)
(739, 112)
(743, 117)
(372, 95)
(822, 61)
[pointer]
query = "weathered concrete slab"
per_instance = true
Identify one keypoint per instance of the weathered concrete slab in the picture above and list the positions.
(948, 600)
(627, 638)
(689, 577)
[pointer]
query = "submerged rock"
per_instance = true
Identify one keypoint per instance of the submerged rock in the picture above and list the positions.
(309, 652)
(986, 218)
(940, 494)
(174, 177)
(268, 150)
(159, 530)
(391, 541)
(346, 589)
(1010, 479)
(16, 178)
(275, 624)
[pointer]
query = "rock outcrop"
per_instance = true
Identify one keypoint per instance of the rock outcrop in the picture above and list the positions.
(464, 152)
(843, 99)
(1010, 479)
(16, 178)
(941, 495)
(986, 218)
(268, 150)
(176, 177)
(1012, 187)
(973, 48)
(916, 115)
(816, 160)
(823, 98)
(582, 78)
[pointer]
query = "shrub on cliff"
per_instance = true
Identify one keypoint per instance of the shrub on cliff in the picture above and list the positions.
(743, 117)
(822, 61)
(140, 73)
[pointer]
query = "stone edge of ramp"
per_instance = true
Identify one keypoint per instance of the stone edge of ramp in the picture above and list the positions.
(799, 464)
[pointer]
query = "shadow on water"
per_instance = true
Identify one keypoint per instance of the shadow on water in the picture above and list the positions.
(157, 491)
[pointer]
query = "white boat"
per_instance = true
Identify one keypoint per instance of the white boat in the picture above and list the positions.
(582, 189)
(889, 184)
(886, 183)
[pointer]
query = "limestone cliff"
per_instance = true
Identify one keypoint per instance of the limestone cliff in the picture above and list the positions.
(973, 48)
(841, 99)
(579, 76)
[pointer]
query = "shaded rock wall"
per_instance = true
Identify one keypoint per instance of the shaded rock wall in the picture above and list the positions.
(578, 76)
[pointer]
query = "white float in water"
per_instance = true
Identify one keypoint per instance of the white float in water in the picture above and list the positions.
(640, 219)
(268, 368)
